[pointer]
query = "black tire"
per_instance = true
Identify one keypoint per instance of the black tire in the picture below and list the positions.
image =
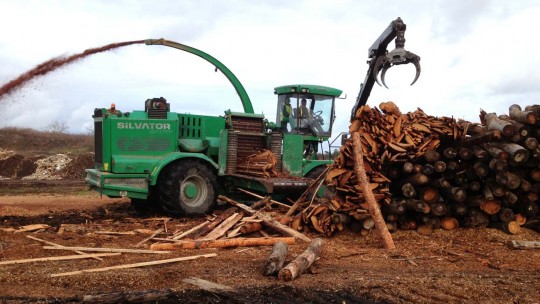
(187, 187)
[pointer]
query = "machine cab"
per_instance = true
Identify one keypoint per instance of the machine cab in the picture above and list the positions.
(306, 109)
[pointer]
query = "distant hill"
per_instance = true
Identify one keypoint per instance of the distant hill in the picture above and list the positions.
(38, 155)
(30, 143)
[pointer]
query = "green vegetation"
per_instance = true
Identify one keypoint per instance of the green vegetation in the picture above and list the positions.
(29, 142)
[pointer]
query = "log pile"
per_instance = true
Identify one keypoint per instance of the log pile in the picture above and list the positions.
(261, 164)
(435, 172)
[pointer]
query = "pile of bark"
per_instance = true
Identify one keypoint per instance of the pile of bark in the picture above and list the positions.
(431, 172)
(260, 164)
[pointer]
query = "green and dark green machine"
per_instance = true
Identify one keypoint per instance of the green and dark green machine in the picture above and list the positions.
(182, 161)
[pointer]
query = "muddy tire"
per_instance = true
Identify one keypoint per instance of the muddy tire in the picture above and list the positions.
(187, 187)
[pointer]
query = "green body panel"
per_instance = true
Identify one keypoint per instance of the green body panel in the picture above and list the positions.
(118, 184)
(293, 149)
(293, 161)
(200, 134)
(136, 143)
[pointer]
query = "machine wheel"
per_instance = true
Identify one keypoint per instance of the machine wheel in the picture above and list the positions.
(187, 187)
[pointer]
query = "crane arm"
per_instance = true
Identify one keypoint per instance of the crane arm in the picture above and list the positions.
(381, 59)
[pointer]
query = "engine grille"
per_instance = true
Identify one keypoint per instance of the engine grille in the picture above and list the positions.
(157, 113)
(98, 142)
(247, 124)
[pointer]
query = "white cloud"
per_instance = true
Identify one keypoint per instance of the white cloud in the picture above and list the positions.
(478, 54)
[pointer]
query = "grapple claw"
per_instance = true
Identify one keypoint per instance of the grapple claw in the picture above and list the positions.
(416, 63)
(380, 62)
(396, 57)
(383, 73)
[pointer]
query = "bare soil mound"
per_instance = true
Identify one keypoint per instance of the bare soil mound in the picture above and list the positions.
(31, 154)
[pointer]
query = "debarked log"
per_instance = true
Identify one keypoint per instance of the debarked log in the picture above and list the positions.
(223, 243)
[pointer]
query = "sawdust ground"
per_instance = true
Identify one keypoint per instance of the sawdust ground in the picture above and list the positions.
(460, 266)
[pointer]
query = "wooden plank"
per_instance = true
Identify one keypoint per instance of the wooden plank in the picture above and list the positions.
(207, 285)
(91, 249)
(213, 224)
(33, 227)
(150, 237)
(222, 228)
(125, 266)
(115, 232)
(177, 237)
(58, 258)
(58, 245)
(262, 197)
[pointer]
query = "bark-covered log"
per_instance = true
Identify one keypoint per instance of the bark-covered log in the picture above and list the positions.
(363, 182)
(511, 227)
(302, 262)
(517, 114)
(494, 123)
(276, 260)
(432, 156)
(516, 153)
(430, 195)
(449, 223)
(408, 190)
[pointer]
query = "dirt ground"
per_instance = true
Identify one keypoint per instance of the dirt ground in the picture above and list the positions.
(460, 266)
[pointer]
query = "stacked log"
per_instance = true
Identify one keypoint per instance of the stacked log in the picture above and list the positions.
(261, 164)
(435, 172)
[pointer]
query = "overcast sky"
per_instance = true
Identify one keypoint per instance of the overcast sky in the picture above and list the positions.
(475, 54)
